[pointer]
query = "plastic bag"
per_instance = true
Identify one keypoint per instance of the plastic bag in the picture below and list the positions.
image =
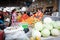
(16, 35)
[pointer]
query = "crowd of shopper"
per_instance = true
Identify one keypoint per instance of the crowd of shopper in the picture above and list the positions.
(9, 18)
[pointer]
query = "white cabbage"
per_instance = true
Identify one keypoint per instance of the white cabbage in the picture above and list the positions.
(53, 23)
(56, 24)
(36, 33)
(55, 32)
(38, 26)
(47, 20)
(45, 33)
(48, 26)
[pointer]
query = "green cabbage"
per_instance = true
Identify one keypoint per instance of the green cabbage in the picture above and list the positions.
(56, 24)
(45, 33)
(55, 32)
(48, 26)
(36, 33)
(47, 20)
(38, 26)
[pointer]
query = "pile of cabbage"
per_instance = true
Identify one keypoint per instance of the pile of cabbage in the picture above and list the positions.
(51, 28)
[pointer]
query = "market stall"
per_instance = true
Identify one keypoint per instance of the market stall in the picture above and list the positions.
(30, 25)
(47, 29)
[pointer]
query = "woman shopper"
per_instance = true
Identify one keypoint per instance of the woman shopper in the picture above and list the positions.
(1, 21)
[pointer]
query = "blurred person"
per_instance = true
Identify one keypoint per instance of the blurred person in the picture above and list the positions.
(32, 19)
(7, 15)
(28, 13)
(24, 17)
(1, 17)
(18, 16)
(1, 21)
(14, 15)
(38, 14)
(7, 22)
(34, 14)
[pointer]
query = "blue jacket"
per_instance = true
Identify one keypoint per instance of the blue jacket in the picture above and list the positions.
(1, 22)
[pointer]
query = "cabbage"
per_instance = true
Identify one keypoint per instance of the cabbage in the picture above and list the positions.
(53, 23)
(38, 26)
(56, 24)
(48, 26)
(55, 32)
(45, 33)
(47, 20)
(36, 33)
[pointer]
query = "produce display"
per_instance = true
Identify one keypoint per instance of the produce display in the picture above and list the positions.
(51, 28)
(25, 24)
(40, 28)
